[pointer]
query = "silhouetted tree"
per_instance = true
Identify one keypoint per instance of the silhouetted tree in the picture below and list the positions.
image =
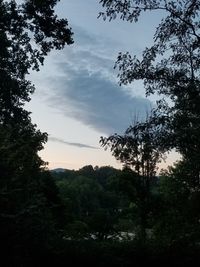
(170, 68)
(28, 32)
(138, 149)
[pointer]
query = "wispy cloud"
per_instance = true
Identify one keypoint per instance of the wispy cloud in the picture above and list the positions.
(80, 145)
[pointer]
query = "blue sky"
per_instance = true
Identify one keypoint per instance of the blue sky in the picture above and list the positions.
(77, 96)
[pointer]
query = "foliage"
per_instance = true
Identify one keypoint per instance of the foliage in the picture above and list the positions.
(170, 67)
(91, 206)
(139, 148)
(177, 218)
(28, 32)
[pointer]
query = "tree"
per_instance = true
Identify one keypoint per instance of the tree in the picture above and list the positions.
(28, 32)
(170, 68)
(138, 149)
(177, 216)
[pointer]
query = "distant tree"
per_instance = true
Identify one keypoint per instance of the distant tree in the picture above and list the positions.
(92, 209)
(105, 176)
(87, 171)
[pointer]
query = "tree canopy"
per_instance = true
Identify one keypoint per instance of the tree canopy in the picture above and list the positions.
(28, 32)
(169, 68)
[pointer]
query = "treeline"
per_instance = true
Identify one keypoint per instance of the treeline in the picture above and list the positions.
(104, 203)
(102, 216)
(98, 216)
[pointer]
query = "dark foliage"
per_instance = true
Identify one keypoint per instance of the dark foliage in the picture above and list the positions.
(170, 69)
(28, 32)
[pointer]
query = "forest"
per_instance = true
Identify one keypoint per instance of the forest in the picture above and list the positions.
(99, 215)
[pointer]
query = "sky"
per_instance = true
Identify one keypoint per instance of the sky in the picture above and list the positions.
(78, 98)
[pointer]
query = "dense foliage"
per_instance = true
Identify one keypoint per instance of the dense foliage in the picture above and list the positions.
(107, 210)
(28, 32)
(170, 69)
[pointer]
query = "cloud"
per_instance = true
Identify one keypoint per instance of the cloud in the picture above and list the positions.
(98, 102)
(85, 88)
(80, 145)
